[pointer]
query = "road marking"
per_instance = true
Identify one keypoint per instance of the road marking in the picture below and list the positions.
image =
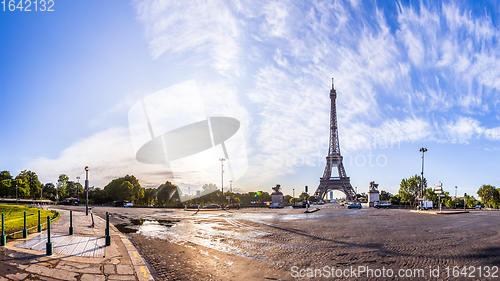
(136, 255)
(144, 272)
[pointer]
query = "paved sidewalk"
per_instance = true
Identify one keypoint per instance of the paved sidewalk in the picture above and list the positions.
(121, 260)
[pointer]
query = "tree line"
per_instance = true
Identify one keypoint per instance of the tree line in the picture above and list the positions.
(409, 189)
(26, 185)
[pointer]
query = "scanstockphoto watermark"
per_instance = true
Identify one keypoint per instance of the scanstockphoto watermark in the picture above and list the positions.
(349, 160)
(322, 144)
(364, 271)
(312, 152)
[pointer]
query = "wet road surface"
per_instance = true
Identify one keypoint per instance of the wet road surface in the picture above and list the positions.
(264, 244)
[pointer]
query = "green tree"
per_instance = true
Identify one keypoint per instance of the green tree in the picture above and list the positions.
(5, 175)
(396, 200)
(471, 201)
(22, 188)
(385, 195)
(410, 188)
(118, 189)
(137, 193)
(149, 196)
(165, 193)
(233, 198)
(31, 179)
(126, 191)
(450, 203)
(5, 183)
(99, 196)
(49, 191)
(489, 195)
(62, 184)
(6, 187)
(73, 189)
(303, 196)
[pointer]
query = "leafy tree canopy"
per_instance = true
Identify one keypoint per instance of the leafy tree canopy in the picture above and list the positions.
(489, 195)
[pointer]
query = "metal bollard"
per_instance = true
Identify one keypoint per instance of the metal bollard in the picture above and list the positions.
(107, 224)
(3, 241)
(108, 238)
(39, 225)
(48, 245)
(25, 231)
(70, 222)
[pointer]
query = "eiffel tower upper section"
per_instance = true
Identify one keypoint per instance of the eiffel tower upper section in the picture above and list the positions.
(334, 157)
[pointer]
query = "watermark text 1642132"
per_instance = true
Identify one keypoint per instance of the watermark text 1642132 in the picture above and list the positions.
(28, 5)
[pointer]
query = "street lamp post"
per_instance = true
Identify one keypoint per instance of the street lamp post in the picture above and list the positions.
(78, 190)
(423, 150)
(87, 190)
(231, 190)
(456, 187)
(222, 177)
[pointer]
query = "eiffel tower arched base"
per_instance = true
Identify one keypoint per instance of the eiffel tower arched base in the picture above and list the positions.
(341, 184)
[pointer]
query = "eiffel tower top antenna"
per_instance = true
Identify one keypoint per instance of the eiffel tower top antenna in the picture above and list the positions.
(332, 84)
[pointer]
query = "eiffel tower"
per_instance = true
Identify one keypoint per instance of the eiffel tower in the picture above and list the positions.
(334, 159)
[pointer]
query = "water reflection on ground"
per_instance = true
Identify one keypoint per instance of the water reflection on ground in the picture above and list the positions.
(248, 234)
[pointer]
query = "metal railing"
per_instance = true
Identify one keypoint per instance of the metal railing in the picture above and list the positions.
(30, 230)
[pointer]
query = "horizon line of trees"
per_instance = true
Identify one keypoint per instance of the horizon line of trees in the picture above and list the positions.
(127, 188)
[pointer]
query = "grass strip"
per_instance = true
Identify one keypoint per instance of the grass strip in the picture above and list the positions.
(14, 217)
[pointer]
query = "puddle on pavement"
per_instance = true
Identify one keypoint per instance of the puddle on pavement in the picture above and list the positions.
(224, 232)
(136, 224)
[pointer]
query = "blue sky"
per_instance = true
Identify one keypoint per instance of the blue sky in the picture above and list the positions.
(408, 75)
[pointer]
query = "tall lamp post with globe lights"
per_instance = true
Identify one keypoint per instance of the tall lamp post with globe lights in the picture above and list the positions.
(78, 190)
(222, 177)
(87, 190)
(231, 190)
(423, 150)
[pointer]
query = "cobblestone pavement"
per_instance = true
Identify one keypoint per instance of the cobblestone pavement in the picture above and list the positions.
(121, 260)
(261, 244)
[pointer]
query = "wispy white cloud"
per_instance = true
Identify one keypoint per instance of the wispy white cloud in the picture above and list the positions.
(464, 129)
(397, 79)
(207, 27)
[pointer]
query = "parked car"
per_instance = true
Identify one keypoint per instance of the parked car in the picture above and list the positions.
(194, 206)
(478, 207)
(233, 206)
(354, 205)
(128, 205)
(382, 204)
(211, 206)
(276, 205)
